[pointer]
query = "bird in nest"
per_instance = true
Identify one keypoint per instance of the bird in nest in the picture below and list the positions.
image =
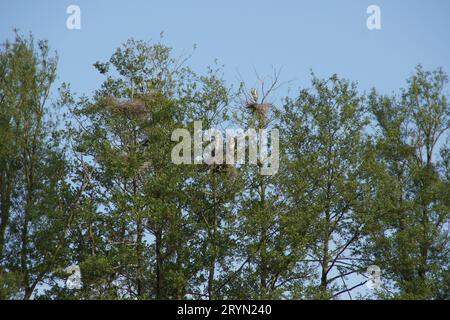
(254, 94)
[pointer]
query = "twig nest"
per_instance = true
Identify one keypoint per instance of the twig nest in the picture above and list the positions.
(261, 109)
(129, 108)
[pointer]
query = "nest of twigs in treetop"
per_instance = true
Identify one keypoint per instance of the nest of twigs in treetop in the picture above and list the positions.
(260, 109)
(129, 108)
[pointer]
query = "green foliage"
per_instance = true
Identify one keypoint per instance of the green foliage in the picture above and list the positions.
(35, 212)
(363, 180)
(409, 224)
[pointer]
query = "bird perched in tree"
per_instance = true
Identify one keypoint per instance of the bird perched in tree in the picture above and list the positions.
(254, 94)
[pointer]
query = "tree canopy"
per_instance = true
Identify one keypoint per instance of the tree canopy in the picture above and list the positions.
(363, 180)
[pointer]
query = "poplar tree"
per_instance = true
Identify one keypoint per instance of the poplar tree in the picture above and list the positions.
(323, 130)
(409, 223)
(37, 202)
(363, 180)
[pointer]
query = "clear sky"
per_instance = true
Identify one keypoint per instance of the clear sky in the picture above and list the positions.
(325, 36)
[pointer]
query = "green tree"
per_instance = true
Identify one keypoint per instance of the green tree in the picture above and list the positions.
(408, 235)
(36, 200)
(152, 213)
(361, 182)
(122, 135)
(323, 146)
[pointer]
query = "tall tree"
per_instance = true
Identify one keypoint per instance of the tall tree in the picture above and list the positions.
(409, 234)
(323, 146)
(361, 182)
(36, 200)
(212, 190)
(264, 263)
(152, 211)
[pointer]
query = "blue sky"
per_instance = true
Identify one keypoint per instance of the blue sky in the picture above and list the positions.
(325, 36)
